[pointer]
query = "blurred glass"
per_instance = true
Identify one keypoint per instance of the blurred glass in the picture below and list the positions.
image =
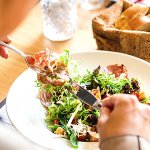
(91, 4)
(59, 19)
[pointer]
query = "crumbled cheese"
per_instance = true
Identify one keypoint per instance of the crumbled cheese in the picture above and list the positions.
(80, 128)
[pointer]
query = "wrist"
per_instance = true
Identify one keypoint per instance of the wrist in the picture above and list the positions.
(124, 142)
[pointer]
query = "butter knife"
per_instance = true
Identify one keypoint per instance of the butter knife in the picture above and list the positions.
(86, 97)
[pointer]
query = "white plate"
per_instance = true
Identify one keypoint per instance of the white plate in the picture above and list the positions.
(27, 114)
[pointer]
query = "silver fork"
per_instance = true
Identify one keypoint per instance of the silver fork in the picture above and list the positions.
(26, 58)
(83, 94)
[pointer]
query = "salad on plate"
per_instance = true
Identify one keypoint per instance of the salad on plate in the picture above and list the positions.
(66, 115)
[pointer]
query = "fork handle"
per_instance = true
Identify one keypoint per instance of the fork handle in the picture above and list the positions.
(13, 49)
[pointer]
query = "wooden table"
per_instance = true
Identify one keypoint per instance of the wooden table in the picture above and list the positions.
(30, 39)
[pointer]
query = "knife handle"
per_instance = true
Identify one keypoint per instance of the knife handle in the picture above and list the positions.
(97, 105)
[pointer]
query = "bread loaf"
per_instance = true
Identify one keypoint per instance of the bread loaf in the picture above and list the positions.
(124, 22)
(141, 23)
(134, 41)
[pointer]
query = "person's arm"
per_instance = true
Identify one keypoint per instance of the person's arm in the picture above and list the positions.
(124, 124)
(12, 12)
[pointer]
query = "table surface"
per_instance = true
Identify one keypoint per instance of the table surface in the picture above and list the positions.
(29, 38)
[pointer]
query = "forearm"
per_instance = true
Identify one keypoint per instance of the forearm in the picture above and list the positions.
(127, 142)
(12, 12)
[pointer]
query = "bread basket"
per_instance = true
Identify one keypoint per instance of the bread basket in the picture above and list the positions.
(136, 43)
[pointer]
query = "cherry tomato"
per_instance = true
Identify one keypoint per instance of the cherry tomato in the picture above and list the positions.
(56, 121)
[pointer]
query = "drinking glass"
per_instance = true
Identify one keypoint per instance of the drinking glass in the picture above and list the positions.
(59, 19)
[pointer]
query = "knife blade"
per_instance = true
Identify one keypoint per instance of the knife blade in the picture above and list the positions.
(86, 97)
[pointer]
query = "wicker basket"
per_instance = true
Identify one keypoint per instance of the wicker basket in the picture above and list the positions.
(107, 37)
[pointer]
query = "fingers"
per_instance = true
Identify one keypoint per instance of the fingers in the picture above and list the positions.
(104, 115)
(119, 99)
(3, 51)
(145, 109)
(105, 112)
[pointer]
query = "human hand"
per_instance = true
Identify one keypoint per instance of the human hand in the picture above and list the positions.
(3, 51)
(123, 114)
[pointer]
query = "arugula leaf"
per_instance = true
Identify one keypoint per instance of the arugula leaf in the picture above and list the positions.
(65, 57)
(63, 120)
(72, 136)
(107, 83)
